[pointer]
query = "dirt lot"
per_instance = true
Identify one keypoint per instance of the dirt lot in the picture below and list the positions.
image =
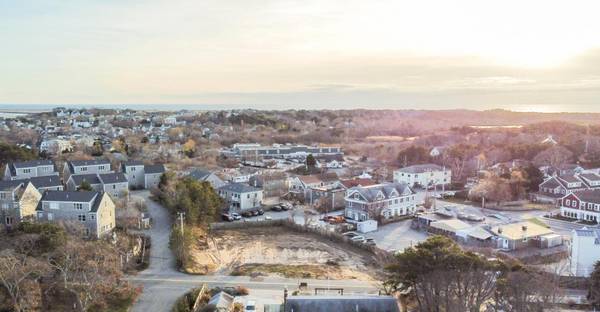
(280, 251)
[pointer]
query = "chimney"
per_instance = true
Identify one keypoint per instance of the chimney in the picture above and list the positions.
(499, 230)
(524, 228)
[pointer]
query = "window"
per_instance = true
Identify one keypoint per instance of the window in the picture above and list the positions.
(568, 202)
(83, 169)
(78, 206)
(2, 195)
(26, 170)
(81, 218)
(92, 217)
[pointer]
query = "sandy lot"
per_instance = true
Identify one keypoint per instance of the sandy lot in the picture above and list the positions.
(279, 251)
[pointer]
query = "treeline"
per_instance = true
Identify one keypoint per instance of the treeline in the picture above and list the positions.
(198, 200)
(437, 275)
(10, 153)
(44, 268)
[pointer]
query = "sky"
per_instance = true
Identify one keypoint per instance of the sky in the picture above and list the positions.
(269, 54)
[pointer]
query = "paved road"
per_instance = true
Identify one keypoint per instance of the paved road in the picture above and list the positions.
(163, 284)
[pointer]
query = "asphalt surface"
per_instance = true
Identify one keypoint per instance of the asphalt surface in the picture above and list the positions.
(163, 284)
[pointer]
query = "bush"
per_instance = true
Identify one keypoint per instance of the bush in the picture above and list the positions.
(51, 236)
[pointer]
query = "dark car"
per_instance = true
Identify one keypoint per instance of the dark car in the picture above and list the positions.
(276, 208)
(260, 211)
(247, 214)
(254, 212)
(285, 207)
(227, 217)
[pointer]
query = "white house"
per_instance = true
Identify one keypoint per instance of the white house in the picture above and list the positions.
(423, 175)
(240, 197)
(388, 200)
(585, 251)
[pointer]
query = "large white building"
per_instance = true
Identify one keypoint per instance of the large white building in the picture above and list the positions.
(241, 197)
(581, 205)
(423, 175)
(585, 251)
(385, 200)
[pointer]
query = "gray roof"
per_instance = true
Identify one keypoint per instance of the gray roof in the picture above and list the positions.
(69, 196)
(154, 169)
(111, 178)
(370, 192)
(10, 185)
(78, 163)
(91, 178)
(587, 232)
(239, 188)
(32, 163)
(589, 196)
(133, 163)
(590, 176)
(221, 300)
(421, 168)
(341, 303)
(200, 174)
(45, 181)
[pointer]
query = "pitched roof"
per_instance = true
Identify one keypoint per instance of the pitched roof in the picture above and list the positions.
(91, 178)
(45, 181)
(199, 174)
(32, 163)
(421, 168)
(357, 182)
(10, 185)
(589, 196)
(369, 193)
(111, 178)
(341, 303)
(69, 196)
(151, 169)
(239, 188)
(451, 225)
(133, 163)
(590, 176)
(221, 300)
(91, 162)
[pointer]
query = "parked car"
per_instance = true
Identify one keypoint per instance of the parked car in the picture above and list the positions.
(227, 217)
(267, 217)
(254, 212)
(236, 216)
(276, 208)
(358, 238)
(250, 306)
(370, 242)
(350, 234)
(260, 211)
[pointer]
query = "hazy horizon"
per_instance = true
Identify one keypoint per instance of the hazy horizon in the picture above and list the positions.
(310, 54)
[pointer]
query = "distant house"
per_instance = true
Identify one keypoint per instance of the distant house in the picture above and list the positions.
(556, 187)
(387, 200)
(207, 176)
(142, 176)
(585, 251)
(95, 211)
(18, 201)
(112, 183)
(350, 183)
(581, 205)
(436, 151)
(86, 167)
(152, 174)
(524, 234)
(55, 146)
(301, 184)
(240, 197)
(423, 175)
(349, 303)
(272, 184)
(29, 169)
(330, 161)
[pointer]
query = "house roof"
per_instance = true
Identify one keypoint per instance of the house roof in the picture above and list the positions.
(10, 185)
(587, 232)
(69, 196)
(341, 303)
(239, 188)
(221, 300)
(569, 178)
(369, 193)
(590, 176)
(91, 162)
(551, 183)
(151, 169)
(357, 182)
(111, 178)
(451, 225)
(132, 163)
(589, 196)
(91, 178)
(32, 163)
(45, 181)
(421, 168)
(200, 174)
(520, 230)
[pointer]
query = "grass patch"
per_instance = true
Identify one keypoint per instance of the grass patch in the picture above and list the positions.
(538, 222)
(312, 271)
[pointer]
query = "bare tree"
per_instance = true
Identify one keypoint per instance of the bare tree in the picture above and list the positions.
(16, 270)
